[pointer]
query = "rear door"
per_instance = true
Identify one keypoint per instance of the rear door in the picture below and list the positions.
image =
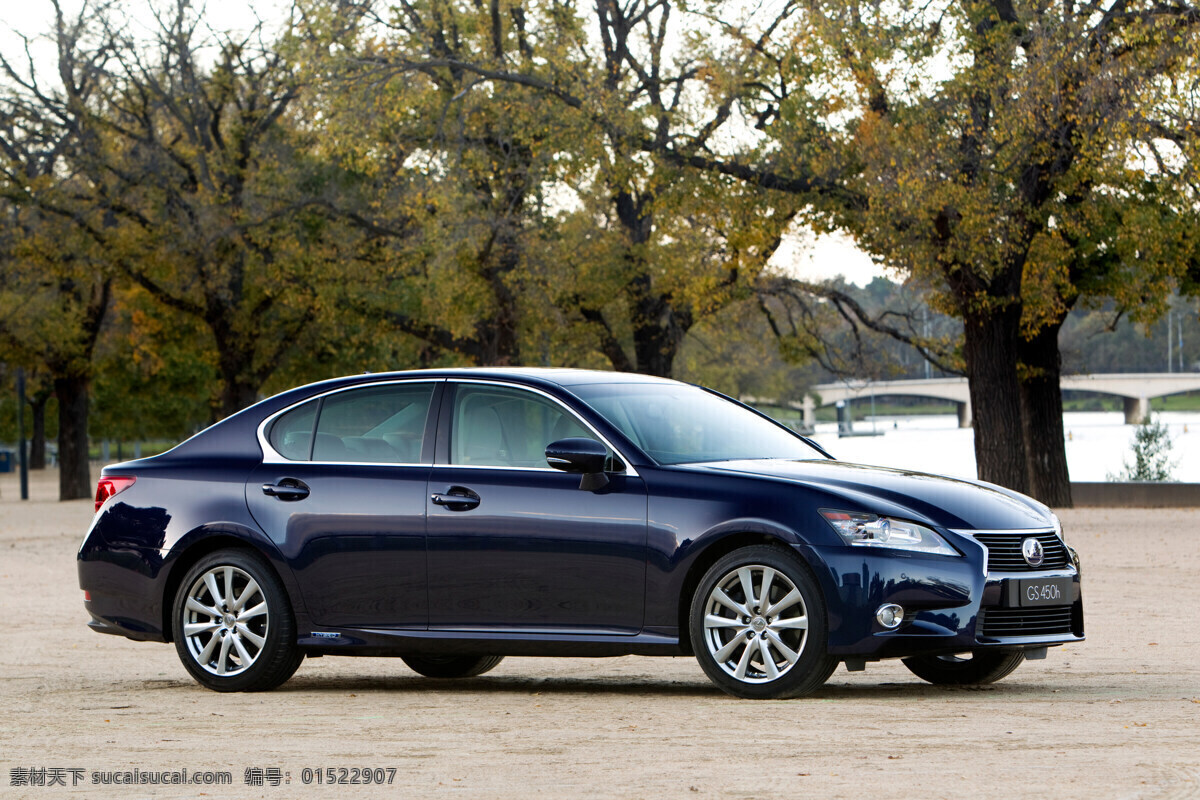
(516, 545)
(342, 493)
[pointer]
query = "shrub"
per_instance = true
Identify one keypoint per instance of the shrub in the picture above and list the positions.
(1151, 454)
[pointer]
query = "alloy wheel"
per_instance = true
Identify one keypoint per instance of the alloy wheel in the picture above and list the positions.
(225, 620)
(755, 623)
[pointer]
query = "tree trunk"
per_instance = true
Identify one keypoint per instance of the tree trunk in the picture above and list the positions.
(37, 445)
(990, 342)
(658, 327)
(655, 357)
(1041, 412)
(239, 388)
(236, 394)
(656, 337)
(498, 335)
(74, 475)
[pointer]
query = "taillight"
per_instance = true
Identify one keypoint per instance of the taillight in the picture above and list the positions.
(111, 485)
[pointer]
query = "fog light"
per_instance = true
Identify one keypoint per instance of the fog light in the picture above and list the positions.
(890, 616)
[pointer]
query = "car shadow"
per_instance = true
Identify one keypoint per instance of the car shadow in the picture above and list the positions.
(499, 684)
(631, 685)
(640, 686)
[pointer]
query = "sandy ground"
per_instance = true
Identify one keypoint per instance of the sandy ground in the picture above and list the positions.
(1115, 717)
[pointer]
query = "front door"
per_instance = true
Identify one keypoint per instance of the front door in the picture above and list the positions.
(516, 545)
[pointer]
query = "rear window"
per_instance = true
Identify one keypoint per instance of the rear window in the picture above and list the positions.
(374, 424)
(384, 424)
(291, 435)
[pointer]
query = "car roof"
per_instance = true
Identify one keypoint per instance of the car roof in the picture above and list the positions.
(236, 432)
(561, 376)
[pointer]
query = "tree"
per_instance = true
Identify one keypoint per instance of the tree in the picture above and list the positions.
(733, 351)
(446, 180)
(39, 390)
(862, 334)
(217, 190)
(1151, 454)
(1011, 183)
(155, 369)
(987, 146)
(639, 248)
(56, 279)
(55, 295)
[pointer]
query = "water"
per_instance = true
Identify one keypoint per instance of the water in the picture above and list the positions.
(1098, 443)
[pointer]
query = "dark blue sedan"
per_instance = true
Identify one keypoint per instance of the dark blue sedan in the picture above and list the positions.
(454, 517)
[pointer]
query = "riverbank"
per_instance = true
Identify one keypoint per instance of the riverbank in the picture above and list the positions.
(1098, 444)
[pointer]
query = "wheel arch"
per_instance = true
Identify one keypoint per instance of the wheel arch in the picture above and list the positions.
(199, 545)
(718, 547)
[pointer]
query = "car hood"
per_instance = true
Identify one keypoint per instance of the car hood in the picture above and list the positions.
(931, 499)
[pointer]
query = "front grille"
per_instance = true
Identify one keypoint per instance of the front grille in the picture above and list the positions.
(1000, 622)
(1004, 551)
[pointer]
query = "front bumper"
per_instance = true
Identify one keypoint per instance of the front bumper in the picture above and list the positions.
(951, 604)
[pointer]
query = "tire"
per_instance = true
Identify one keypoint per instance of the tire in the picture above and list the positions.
(981, 666)
(432, 666)
(758, 652)
(239, 640)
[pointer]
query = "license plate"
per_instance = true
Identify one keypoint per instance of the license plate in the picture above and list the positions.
(1028, 592)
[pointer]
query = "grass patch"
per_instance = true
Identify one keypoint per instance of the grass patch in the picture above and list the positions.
(124, 451)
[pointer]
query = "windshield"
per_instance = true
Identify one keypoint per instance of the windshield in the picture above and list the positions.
(680, 424)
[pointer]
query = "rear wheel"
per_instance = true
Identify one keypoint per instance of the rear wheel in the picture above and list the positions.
(980, 666)
(233, 625)
(433, 666)
(758, 625)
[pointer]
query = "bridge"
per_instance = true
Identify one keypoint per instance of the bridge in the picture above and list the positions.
(1136, 388)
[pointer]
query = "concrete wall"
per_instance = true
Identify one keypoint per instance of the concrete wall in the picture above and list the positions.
(1136, 495)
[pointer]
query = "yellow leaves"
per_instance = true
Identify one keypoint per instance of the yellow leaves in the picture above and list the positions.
(1046, 284)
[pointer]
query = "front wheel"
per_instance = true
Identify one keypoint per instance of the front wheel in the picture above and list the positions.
(758, 625)
(233, 625)
(980, 666)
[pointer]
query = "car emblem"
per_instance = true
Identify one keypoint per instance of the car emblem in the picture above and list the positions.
(1033, 552)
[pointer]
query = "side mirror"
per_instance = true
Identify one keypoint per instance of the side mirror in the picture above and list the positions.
(584, 456)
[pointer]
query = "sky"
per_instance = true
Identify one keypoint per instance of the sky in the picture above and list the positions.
(826, 256)
(33, 17)
(803, 257)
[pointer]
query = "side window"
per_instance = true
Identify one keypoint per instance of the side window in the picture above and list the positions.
(375, 424)
(291, 434)
(499, 427)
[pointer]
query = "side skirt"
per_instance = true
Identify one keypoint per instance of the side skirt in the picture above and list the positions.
(391, 642)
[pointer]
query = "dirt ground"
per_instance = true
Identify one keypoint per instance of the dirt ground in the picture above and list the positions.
(1115, 717)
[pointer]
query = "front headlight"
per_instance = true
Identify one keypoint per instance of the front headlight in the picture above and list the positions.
(872, 530)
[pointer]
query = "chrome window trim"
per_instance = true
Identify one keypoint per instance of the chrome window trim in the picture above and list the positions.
(628, 470)
(510, 469)
(271, 456)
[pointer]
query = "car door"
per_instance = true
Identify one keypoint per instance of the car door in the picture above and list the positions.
(516, 545)
(342, 491)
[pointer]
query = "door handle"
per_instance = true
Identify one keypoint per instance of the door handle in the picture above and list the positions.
(286, 489)
(457, 498)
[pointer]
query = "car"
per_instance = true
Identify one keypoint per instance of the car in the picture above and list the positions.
(455, 517)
